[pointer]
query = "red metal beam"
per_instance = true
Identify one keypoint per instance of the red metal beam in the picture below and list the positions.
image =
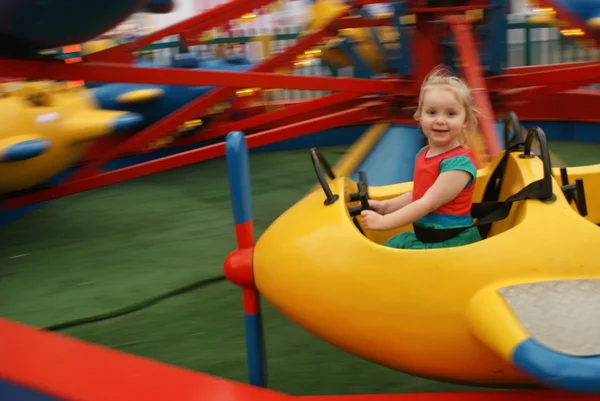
(307, 112)
(573, 106)
(544, 68)
(318, 112)
(371, 118)
(474, 77)
(59, 367)
(317, 104)
(114, 72)
(195, 156)
(214, 129)
(584, 72)
(535, 92)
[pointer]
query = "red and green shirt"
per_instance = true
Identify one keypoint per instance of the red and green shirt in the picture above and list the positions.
(427, 169)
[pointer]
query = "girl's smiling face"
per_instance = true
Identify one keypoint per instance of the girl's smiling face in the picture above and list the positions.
(442, 118)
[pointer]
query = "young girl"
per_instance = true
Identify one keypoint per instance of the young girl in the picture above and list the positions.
(444, 177)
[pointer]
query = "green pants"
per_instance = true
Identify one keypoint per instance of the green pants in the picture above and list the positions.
(408, 240)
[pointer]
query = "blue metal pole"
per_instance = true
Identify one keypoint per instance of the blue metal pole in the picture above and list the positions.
(496, 27)
(239, 263)
(404, 53)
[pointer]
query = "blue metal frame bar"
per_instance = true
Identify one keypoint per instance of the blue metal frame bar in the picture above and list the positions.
(495, 54)
(404, 52)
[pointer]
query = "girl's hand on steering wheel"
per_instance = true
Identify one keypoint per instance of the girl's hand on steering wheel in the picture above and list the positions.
(377, 206)
(371, 220)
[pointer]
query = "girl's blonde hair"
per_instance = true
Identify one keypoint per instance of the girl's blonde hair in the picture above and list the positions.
(442, 76)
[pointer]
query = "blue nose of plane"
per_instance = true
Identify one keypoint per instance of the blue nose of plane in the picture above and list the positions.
(126, 122)
(25, 150)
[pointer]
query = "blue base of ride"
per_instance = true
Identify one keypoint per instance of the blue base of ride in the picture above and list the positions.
(384, 164)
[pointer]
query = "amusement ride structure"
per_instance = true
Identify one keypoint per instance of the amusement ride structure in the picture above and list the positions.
(342, 33)
(390, 53)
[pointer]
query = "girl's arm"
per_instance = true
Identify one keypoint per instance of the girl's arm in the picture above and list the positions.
(447, 187)
(393, 204)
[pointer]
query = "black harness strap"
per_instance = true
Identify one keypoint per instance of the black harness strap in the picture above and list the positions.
(490, 210)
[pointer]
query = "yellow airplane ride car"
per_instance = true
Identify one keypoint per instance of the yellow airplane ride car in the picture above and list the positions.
(519, 308)
(47, 127)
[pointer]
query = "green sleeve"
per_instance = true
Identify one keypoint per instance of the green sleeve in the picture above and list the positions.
(459, 163)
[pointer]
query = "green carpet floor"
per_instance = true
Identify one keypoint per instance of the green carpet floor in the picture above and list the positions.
(102, 250)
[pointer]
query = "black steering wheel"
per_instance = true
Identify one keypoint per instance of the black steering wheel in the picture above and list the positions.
(323, 170)
(361, 195)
